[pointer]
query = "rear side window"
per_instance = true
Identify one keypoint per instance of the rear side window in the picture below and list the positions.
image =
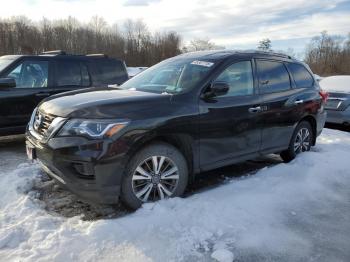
(301, 76)
(273, 76)
(71, 73)
(110, 71)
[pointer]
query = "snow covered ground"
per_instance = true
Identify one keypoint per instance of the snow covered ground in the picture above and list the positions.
(284, 212)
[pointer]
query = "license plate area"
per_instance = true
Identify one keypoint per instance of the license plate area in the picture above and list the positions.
(31, 152)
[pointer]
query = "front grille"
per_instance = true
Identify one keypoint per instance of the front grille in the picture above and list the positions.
(42, 123)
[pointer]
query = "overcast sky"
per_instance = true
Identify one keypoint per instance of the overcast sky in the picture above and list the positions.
(231, 23)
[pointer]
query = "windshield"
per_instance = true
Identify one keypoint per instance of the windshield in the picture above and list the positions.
(170, 76)
(4, 63)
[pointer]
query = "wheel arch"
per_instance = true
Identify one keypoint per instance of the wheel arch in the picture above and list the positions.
(312, 121)
(182, 142)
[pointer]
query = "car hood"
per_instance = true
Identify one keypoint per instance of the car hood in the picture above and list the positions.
(103, 103)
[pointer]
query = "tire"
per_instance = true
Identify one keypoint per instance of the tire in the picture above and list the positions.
(299, 136)
(144, 183)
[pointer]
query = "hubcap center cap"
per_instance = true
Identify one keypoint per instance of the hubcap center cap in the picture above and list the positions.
(155, 179)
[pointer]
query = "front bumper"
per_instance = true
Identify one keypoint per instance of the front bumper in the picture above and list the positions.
(338, 116)
(90, 169)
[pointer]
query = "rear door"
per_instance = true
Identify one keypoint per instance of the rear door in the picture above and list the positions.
(229, 126)
(33, 83)
(282, 104)
(71, 74)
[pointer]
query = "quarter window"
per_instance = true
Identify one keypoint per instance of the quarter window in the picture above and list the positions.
(110, 71)
(30, 74)
(301, 76)
(239, 76)
(273, 76)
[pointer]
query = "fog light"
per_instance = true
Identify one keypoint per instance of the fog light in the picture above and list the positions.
(84, 170)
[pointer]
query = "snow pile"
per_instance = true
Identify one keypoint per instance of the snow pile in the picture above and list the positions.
(336, 84)
(223, 255)
(282, 213)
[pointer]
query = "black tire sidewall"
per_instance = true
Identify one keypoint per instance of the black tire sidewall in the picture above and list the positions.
(127, 194)
(290, 154)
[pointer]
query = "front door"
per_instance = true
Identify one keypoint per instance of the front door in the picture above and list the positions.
(32, 85)
(230, 126)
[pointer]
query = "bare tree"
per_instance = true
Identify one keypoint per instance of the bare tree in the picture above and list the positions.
(133, 42)
(327, 55)
(265, 44)
(199, 44)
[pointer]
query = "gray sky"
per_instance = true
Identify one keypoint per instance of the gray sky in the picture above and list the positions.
(231, 23)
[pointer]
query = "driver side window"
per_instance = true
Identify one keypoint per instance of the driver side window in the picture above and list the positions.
(31, 74)
(239, 76)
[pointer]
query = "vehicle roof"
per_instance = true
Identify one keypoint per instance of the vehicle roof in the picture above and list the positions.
(54, 56)
(11, 57)
(222, 54)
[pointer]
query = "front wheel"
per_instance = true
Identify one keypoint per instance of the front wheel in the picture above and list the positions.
(156, 172)
(301, 141)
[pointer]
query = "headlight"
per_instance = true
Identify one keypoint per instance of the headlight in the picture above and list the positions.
(92, 128)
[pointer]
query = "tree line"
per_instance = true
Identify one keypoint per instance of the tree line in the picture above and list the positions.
(132, 41)
(329, 55)
(325, 54)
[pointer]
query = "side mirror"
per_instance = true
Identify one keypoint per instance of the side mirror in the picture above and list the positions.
(7, 82)
(218, 88)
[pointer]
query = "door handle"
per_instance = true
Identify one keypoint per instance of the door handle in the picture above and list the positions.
(299, 101)
(42, 94)
(255, 109)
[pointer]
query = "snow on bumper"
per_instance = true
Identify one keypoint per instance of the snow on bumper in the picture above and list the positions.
(75, 170)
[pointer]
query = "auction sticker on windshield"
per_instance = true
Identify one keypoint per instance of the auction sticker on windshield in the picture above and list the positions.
(202, 63)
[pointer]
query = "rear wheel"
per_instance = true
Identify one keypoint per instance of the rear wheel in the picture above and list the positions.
(301, 141)
(156, 172)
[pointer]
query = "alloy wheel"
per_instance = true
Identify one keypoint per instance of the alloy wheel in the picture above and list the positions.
(302, 141)
(155, 178)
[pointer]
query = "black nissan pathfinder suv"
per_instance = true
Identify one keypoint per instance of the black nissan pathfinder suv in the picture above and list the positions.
(145, 140)
(26, 80)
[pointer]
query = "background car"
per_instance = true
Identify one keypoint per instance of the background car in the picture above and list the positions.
(338, 105)
(26, 80)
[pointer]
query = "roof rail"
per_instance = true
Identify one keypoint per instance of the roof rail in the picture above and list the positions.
(54, 52)
(268, 53)
(100, 55)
